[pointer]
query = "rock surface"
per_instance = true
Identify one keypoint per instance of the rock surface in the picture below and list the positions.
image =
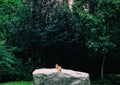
(65, 77)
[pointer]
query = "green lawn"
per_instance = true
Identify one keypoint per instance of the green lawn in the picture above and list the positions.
(17, 83)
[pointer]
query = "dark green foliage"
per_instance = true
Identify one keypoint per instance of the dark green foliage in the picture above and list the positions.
(9, 65)
(47, 36)
(9, 17)
(100, 22)
(46, 33)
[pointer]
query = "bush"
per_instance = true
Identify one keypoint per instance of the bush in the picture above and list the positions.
(9, 65)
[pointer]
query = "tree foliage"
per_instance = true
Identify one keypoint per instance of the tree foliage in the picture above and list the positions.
(47, 32)
(100, 27)
(9, 64)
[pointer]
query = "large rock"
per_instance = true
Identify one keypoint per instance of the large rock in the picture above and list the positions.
(65, 77)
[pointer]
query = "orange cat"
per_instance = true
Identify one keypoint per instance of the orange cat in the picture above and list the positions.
(59, 68)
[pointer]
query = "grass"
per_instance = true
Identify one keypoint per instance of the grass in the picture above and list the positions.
(17, 83)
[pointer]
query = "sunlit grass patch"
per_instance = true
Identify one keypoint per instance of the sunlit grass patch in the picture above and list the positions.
(17, 83)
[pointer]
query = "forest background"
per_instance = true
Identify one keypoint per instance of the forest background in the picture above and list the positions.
(40, 33)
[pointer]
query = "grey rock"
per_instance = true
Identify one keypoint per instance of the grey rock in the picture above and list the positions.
(65, 77)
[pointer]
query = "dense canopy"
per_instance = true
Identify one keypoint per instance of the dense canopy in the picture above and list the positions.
(42, 33)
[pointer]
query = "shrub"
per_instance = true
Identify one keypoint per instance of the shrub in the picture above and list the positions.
(9, 65)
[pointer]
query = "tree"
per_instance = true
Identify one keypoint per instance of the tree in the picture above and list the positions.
(8, 62)
(100, 25)
(102, 35)
(45, 26)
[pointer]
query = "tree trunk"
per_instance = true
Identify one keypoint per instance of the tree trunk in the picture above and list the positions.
(102, 66)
